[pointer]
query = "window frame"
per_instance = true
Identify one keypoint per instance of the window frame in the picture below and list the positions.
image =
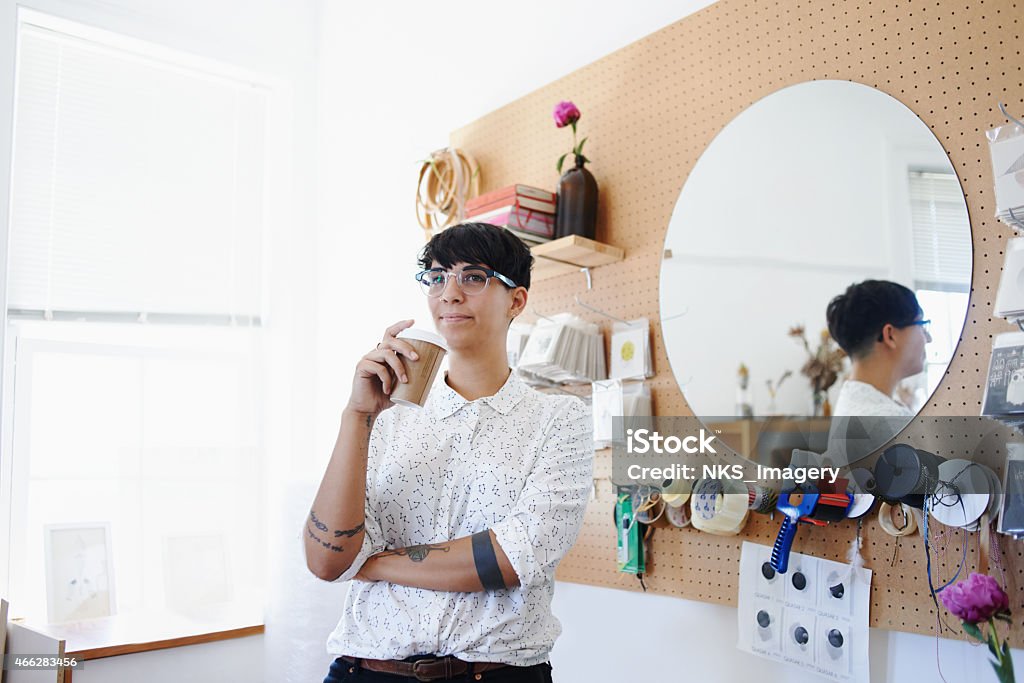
(276, 207)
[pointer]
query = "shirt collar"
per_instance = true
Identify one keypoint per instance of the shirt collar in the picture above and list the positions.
(445, 401)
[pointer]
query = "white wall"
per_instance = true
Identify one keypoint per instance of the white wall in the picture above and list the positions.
(395, 79)
(654, 637)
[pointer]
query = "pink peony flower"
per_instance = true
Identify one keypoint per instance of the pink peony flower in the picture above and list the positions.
(566, 114)
(977, 598)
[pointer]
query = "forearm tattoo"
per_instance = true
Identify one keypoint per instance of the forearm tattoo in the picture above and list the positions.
(416, 553)
(487, 562)
(369, 430)
(337, 533)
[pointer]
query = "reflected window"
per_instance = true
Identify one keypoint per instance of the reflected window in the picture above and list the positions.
(942, 265)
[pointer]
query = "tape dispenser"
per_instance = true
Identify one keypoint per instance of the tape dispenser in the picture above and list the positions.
(818, 504)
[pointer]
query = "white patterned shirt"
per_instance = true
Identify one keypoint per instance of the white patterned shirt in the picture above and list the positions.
(860, 399)
(519, 463)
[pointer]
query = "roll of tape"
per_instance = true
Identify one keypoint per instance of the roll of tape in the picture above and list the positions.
(678, 517)
(908, 526)
(675, 492)
(719, 506)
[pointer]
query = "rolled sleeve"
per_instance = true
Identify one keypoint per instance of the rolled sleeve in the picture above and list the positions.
(548, 514)
(372, 543)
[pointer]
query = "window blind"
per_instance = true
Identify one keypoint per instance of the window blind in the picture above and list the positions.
(137, 184)
(941, 232)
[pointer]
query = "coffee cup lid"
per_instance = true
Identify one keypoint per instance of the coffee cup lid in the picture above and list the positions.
(424, 335)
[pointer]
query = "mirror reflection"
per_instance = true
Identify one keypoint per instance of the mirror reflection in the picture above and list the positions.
(823, 192)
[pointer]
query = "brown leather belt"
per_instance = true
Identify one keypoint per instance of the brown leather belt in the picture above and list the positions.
(432, 669)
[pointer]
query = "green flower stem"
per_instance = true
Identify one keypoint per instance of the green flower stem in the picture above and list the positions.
(1003, 665)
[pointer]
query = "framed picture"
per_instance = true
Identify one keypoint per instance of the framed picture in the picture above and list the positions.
(79, 571)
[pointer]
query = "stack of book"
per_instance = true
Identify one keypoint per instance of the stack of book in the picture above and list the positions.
(527, 212)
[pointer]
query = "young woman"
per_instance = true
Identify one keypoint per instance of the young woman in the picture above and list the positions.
(880, 326)
(450, 520)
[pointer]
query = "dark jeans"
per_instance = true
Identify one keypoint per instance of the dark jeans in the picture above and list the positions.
(538, 673)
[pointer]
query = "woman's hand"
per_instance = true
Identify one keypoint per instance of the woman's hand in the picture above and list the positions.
(379, 371)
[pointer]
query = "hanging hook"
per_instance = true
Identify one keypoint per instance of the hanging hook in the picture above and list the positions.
(1007, 115)
(1014, 220)
(686, 310)
(533, 309)
(594, 309)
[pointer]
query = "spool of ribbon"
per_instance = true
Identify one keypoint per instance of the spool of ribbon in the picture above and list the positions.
(719, 506)
(996, 499)
(761, 498)
(904, 474)
(963, 494)
(651, 509)
(862, 504)
(908, 525)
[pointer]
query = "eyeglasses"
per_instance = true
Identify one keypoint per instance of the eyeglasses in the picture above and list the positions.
(925, 325)
(471, 279)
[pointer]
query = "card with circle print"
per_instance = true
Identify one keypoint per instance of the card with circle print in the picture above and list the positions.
(765, 623)
(798, 632)
(767, 581)
(813, 617)
(836, 595)
(631, 350)
(802, 579)
(832, 642)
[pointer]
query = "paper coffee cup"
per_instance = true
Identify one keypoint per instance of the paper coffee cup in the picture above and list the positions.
(431, 348)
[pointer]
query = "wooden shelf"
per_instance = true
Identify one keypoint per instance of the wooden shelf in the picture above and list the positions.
(142, 632)
(569, 254)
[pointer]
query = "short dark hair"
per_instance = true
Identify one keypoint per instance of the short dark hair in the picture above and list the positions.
(483, 244)
(857, 316)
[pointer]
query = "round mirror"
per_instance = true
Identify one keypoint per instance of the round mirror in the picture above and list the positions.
(812, 189)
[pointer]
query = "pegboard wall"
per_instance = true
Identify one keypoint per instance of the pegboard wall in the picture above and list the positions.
(650, 110)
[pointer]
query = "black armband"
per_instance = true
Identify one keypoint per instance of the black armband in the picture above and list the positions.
(487, 562)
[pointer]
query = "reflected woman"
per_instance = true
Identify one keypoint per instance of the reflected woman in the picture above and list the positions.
(880, 326)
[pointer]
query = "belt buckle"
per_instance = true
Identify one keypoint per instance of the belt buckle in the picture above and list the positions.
(421, 676)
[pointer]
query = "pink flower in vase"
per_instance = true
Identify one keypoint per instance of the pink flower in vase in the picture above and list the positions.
(566, 114)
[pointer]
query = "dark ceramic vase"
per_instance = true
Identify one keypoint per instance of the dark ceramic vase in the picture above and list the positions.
(577, 203)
